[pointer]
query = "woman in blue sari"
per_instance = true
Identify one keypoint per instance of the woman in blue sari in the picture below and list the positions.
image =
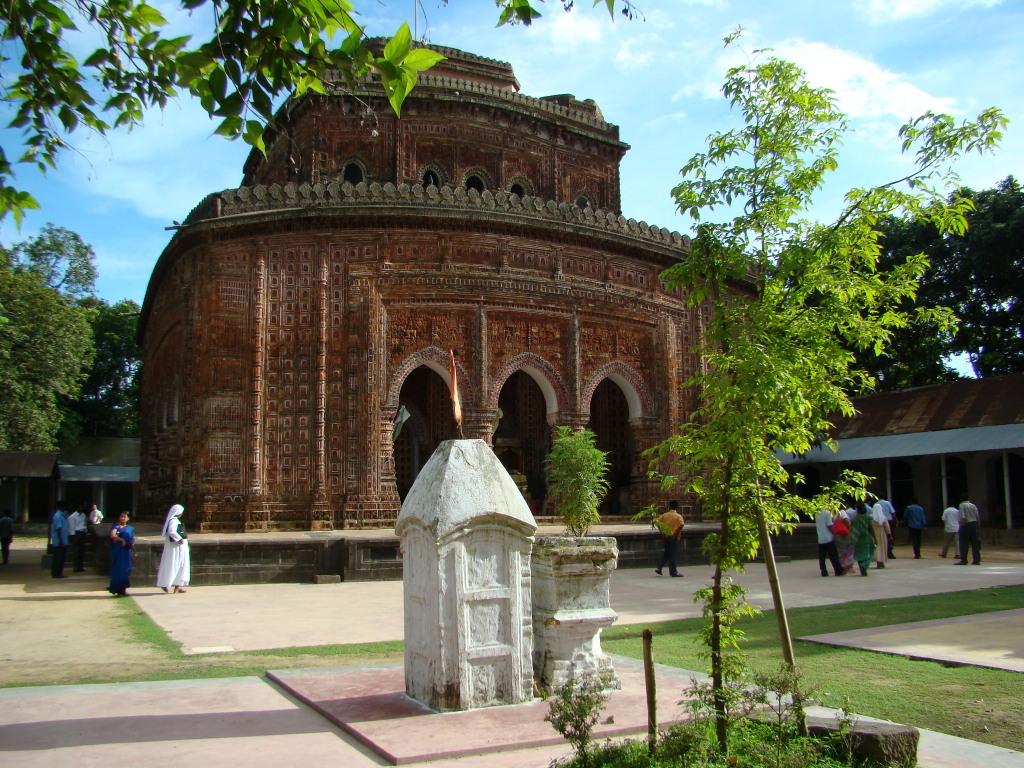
(122, 556)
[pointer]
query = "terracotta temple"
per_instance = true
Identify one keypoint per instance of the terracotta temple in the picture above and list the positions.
(296, 330)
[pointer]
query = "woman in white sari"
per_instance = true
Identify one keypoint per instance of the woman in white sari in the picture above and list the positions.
(880, 532)
(175, 562)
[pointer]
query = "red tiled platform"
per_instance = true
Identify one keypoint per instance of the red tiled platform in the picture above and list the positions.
(371, 705)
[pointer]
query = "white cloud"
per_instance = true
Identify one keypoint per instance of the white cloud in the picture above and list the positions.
(863, 89)
(569, 31)
(887, 11)
(163, 169)
(663, 122)
(637, 52)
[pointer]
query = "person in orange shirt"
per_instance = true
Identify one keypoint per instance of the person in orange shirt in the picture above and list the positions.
(671, 525)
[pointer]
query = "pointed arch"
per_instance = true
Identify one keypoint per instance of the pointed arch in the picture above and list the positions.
(434, 358)
(548, 378)
(638, 396)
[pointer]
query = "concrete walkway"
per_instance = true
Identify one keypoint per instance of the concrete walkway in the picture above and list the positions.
(255, 722)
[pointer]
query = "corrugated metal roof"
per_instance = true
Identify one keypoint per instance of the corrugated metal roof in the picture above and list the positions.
(962, 404)
(26, 463)
(994, 438)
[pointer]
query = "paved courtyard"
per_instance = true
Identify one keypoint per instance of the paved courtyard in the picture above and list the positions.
(255, 721)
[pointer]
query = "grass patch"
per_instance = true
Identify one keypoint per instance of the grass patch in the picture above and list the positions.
(979, 704)
(170, 663)
(142, 629)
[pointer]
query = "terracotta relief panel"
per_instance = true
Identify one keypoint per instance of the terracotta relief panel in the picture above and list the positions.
(601, 344)
(414, 328)
(510, 334)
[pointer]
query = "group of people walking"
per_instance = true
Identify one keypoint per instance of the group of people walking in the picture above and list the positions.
(175, 568)
(855, 537)
(862, 534)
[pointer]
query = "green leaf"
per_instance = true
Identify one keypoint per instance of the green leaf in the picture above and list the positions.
(218, 81)
(253, 135)
(398, 46)
(98, 57)
(150, 15)
(196, 60)
(230, 126)
(422, 59)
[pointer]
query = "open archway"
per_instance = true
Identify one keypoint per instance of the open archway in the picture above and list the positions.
(609, 420)
(427, 420)
(522, 437)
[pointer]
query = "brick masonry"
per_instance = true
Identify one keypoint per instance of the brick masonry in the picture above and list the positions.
(285, 320)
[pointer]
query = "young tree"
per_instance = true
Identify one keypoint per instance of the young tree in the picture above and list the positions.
(578, 478)
(257, 52)
(785, 301)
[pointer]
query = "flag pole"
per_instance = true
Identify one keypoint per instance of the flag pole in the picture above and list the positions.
(453, 376)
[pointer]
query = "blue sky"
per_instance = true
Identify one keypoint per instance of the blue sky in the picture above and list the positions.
(657, 77)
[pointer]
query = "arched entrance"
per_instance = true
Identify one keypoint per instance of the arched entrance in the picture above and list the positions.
(427, 421)
(522, 438)
(609, 420)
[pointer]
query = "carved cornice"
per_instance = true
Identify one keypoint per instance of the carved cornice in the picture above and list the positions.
(406, 205)
(281, 198)
(464, 91)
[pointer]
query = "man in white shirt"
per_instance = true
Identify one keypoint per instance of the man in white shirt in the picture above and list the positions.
(100, 539)
(77, 530)
(827, 544)
(95, 518)
(970, 538)
(951, 530)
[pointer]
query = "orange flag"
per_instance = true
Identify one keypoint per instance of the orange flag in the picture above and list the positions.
(456, 402)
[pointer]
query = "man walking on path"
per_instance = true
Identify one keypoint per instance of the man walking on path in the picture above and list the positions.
(827, 544)
(671, 526)
(77, 531)
(970, 536)
(951, 529)
(915, 520)
(58, 541)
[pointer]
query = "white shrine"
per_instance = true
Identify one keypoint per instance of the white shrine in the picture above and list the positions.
(466, 535)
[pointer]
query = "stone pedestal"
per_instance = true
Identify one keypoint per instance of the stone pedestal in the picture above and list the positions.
(571, 606)
(466, 536)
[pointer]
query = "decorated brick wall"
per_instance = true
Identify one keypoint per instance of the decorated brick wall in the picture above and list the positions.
(291, 322)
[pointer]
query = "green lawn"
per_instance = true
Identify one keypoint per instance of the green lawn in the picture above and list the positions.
(980, 704)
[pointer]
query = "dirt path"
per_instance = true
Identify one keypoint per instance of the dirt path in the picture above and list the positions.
(61, 631)
(72, 631)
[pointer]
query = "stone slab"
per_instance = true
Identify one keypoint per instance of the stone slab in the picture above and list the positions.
(370, 704)
(991, 640)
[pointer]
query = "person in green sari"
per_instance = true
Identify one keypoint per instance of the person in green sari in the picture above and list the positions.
(863, 541)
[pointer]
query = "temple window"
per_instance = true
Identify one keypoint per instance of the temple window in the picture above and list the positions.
(353, 173)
